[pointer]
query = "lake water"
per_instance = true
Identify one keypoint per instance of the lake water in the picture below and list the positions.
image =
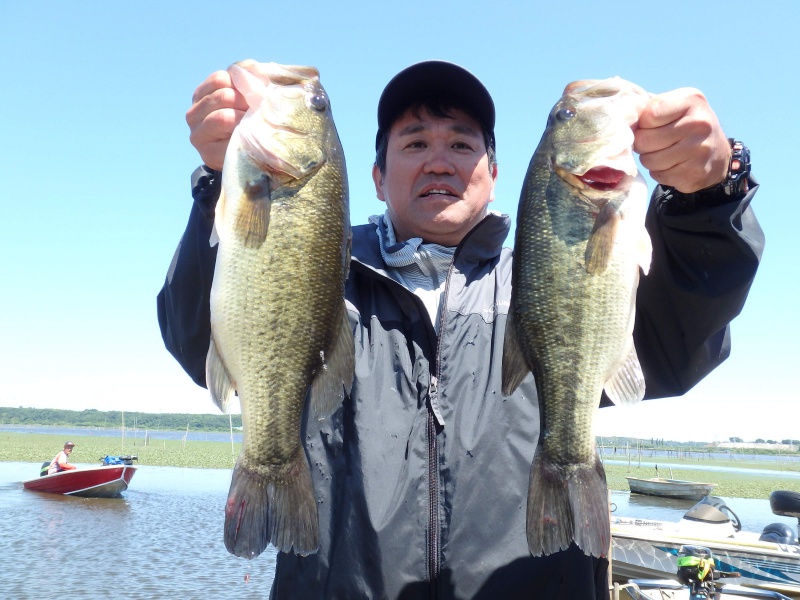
(163, 538)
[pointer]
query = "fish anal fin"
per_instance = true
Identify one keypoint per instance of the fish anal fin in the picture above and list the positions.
(335, 377)
(515, 369)
(252, 218)
(626, 386)
(218, 379)
(600, 245)
(281, 510)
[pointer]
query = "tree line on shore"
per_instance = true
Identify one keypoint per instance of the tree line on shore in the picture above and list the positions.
(53, 417)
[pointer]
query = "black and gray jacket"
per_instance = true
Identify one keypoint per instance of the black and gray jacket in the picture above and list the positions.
(422, 474)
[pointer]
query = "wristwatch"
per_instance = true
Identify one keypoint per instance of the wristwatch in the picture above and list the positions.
(738, 169)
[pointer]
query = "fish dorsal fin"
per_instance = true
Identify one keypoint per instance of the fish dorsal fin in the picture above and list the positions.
(626, 385)
(515, 369)
(218, 380)
(252, 219)
(335, 376)
(600, 245)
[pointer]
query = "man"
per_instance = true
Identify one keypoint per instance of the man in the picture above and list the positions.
(61, 461)
(422, 475)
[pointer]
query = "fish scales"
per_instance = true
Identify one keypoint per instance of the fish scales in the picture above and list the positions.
(580, 242)
(278, 320)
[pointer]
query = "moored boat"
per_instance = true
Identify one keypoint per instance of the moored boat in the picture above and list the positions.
(770, 560)
(106, 481)
(670, 488)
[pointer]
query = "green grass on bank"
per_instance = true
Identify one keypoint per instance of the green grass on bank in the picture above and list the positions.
(36, 448)
(732, 485)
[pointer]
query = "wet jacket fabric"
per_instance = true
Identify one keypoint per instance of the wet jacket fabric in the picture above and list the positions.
(422, 475)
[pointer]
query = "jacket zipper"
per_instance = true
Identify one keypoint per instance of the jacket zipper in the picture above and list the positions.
(435, 420)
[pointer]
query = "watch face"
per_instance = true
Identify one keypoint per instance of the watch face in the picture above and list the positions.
(738, 169)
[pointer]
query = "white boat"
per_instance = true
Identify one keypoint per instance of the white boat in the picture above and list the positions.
(670, 488)
(661, 589)
(770, 560)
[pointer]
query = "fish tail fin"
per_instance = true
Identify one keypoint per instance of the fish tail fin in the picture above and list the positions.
(335, 377)
(588, 494)
(515, 369)
(566, 505)
(549, 524)
(261, 510)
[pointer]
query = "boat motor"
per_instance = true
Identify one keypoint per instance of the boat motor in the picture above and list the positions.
(119, 460)
(786, 504)
(711, 516)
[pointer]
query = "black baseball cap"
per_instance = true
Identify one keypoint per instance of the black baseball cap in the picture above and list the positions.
(435, 77)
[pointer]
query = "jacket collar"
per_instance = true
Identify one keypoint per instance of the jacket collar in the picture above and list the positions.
(482, 243)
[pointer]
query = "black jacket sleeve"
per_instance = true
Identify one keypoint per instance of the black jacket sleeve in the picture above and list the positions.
(184, 315)
(706, 250)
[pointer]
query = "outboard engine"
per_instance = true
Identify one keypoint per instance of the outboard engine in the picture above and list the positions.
(785, 503)
(778, 533)
(710, 517)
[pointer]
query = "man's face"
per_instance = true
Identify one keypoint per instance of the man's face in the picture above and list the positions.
(437, 184)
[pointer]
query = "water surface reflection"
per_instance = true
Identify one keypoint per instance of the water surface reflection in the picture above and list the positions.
(162, 539)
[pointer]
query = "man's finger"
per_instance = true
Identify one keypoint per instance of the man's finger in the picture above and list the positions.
(667, 108)
(219, 99)
(215, 81)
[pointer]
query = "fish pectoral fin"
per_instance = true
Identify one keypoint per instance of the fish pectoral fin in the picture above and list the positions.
(218, 380)
(213, 239)
(252, 219)
(645, 251)
(335, 377)
(515, 369)
(219, 211)
(626, 385)
(600, 245)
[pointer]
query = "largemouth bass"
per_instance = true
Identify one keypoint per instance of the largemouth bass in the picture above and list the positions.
(580, 242)
(278, 319)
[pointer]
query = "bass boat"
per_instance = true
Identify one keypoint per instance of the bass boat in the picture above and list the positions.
(770, 560)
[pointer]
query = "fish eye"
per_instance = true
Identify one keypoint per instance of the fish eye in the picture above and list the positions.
(565, 114)
(317, 102)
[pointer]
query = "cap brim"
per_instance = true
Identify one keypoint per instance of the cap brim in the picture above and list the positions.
(435, 78)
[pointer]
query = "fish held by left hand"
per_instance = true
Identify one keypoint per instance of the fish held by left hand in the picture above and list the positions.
(580, 243)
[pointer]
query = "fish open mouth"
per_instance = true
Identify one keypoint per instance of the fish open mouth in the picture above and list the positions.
(602, 178)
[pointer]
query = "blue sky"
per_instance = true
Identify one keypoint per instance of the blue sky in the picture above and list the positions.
(95, 164)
